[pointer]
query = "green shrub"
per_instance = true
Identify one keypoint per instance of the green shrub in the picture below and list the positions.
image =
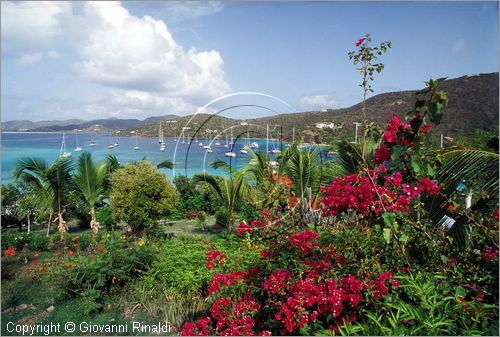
(222, 217)
(104, 217)
(38, 241)
(428, 305)
(141, 195)
(180, 267)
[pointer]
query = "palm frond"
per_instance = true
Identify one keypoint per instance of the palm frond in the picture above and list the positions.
(477, 169)
(168, 164)
(209, 180)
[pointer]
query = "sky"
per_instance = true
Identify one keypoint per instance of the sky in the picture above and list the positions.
(131, 59)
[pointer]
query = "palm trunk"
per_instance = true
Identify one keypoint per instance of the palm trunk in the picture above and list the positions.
(29, 221)
(61, 225)
(48, 224)
(94, 225)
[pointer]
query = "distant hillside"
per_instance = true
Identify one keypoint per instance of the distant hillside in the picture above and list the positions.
(77, 124)
(473, 104)
(24, 125)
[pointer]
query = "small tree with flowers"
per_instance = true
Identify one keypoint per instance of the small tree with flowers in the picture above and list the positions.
(367, 58)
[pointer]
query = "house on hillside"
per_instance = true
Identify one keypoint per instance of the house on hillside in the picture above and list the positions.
(325, 125)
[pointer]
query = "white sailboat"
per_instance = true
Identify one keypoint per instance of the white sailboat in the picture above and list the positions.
(116, 139)
(246, 145)
(161, 140)
(63, 152)
(111, 145)
(92, 143)
(230, 153)
(136, 147)
(77, 148)
(160, 134)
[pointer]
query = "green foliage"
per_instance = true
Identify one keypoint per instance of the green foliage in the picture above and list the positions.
(222, 217)
(428, 306)
(90, 276)
(140, 195)
(180, 268)
(196, 195)
(104, 216)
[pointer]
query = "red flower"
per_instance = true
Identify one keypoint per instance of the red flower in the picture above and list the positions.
(424, 128)
(305, 240)
(244, 228)
(277, 281)
(70, 252)
(490, 254)
(480, 296)
(10, 251)
(383, 153)
(359, 42)
(214, 257)
(495, 214)
(390, 136)
(429, 186)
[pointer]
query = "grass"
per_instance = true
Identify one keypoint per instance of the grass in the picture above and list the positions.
(21, 284)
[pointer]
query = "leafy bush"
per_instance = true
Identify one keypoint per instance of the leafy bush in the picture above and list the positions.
(428, 306)
(38, 242)
(180, 267)
(141, 194)
(222, 217)
(114, 263)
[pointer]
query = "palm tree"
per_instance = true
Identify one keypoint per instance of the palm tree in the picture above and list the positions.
(476, 171)
(304, 169)
(49, 182)
(231, 190)
(90, 180)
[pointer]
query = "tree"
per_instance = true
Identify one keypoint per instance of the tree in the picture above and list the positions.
(90, 179)
(141, 194)
(50, 182)
(230, 190)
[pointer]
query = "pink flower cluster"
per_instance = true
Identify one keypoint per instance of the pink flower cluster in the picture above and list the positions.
(397, 132)
(365, 195)
(359, 42)
(305, 241)
(230, 318)
(219, 280)
(380, 286)
(490, 254)
(277, 282)
(214, 257)
(249, 228)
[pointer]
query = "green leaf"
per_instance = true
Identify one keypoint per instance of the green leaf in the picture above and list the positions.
(389, 218)
(403, 238)
(387, 235)
(397, 151)
(416, 165)
(445, 259)
(431, 171)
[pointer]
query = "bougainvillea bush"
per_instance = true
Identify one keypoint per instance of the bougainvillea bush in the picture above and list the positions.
(382, 268)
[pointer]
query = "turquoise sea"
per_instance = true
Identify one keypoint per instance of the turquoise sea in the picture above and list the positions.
(189, 159)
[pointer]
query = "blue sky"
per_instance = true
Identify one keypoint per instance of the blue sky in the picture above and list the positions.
(140, 59)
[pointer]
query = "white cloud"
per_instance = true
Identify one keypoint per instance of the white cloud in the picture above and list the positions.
(28, 59)
(459, 46)
(317, 101)
(30, 25)
(140, 55)
(137, 59)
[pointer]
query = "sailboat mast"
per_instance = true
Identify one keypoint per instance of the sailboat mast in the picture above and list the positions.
(267, 138)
